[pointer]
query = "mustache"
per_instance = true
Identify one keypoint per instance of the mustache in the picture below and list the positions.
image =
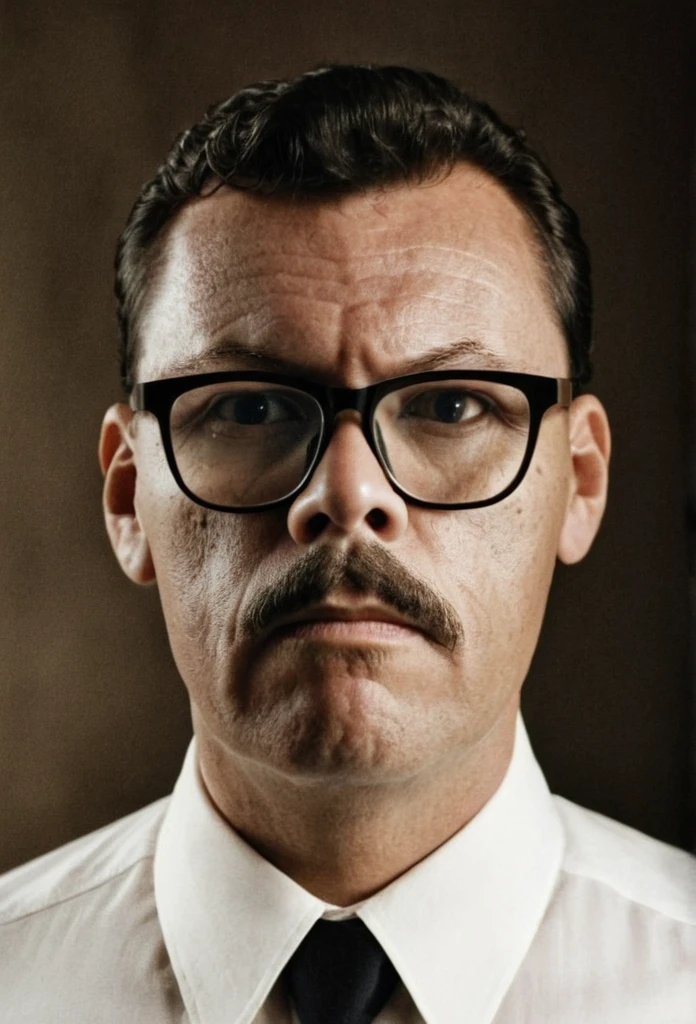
(363, 570)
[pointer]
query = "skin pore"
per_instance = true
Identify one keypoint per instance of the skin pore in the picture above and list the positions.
(348, 750)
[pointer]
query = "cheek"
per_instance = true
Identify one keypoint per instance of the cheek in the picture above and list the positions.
(204, 561)
(197, 561)
(500, 561)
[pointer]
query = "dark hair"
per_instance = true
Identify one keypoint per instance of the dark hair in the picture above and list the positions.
(348, 128)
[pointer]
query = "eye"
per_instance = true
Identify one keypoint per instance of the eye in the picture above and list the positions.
(254, 408)
(446, 406)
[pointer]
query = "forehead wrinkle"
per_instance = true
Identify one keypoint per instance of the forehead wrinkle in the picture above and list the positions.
(329, 277)
(207, 270)
(218, 253)
(273, 331)
(399, 287)
(231, 275)
(364, 268)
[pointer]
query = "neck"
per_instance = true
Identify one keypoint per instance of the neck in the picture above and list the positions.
(344, 842)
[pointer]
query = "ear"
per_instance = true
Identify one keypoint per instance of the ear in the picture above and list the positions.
(117, 462)
(590, 448)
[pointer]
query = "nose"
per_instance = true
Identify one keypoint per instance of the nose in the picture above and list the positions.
(348, 492)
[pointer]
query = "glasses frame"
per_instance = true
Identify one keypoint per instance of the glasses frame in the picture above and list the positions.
(158, 396)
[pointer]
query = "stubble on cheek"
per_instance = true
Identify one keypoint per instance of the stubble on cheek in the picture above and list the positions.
(264, 706)
(304, 707)
(501, 562)
(525, 559)
(202, 568)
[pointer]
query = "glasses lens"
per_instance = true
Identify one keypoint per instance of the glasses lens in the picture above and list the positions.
(453, 441)
(244, 442)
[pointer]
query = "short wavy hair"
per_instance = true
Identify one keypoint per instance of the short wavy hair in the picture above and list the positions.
(351, 128)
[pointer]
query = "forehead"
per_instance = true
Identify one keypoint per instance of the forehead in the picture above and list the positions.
(351, 289)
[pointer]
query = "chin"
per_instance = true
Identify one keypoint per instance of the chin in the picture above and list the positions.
(339, 726)
(320, 712)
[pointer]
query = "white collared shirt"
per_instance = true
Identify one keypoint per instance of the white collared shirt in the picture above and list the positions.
(536, 912)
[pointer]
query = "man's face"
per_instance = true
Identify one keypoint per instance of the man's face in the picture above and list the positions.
(348, 292)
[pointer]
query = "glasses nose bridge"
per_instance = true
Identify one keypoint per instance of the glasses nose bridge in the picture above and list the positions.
(344, 399)
(340, 400)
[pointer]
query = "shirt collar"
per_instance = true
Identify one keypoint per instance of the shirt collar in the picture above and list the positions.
(456, 926)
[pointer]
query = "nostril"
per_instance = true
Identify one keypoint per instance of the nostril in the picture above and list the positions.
(317, 524)
(376, 518)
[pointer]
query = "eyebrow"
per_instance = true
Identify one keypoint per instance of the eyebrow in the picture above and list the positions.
(470, 349)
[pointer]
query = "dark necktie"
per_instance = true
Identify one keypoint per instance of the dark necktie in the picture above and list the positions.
(340, 974)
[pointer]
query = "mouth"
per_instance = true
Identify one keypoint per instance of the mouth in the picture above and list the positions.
(345, 623)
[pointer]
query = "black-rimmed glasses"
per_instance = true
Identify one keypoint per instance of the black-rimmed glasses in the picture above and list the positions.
(448, 439)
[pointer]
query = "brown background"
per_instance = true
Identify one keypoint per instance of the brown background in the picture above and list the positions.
(93, 719)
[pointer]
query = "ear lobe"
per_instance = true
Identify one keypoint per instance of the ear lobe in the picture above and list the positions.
(123, 526)
(590, 449)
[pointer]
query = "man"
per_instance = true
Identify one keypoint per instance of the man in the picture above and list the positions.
(355, 314)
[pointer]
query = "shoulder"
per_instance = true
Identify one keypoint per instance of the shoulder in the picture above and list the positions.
(628, 866)
(617, 940)
(79, 931)
(81, 867)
